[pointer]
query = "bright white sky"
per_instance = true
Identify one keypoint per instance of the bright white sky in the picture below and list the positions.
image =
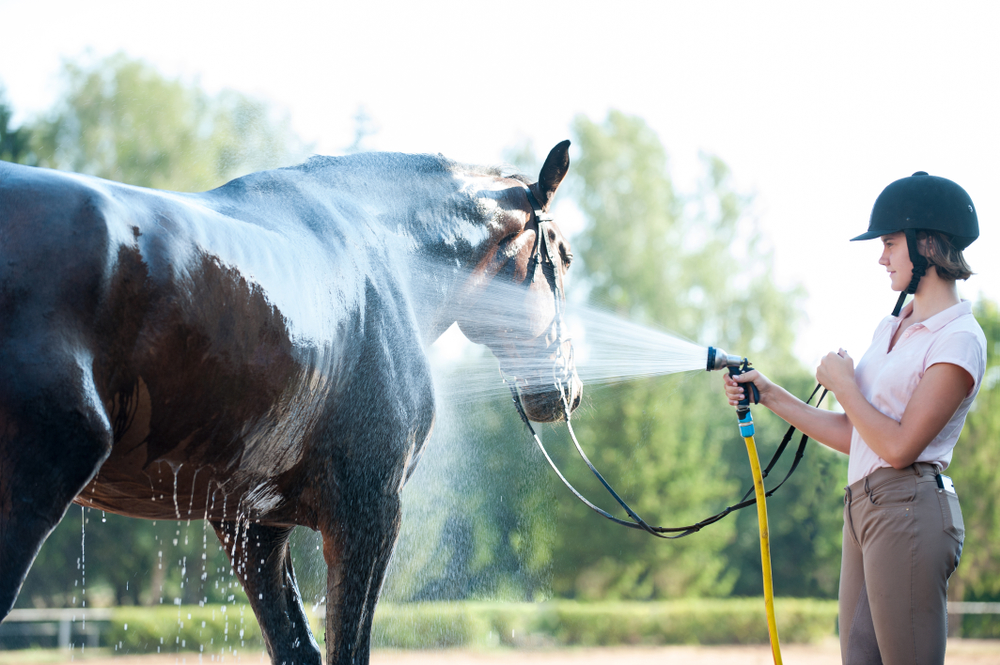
(815, 106)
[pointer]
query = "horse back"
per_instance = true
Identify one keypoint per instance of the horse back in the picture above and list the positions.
(216, 336)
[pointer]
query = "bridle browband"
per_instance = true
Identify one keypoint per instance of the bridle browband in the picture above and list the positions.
(541, 254)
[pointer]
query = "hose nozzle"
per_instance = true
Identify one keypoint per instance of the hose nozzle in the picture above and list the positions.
(719, 359)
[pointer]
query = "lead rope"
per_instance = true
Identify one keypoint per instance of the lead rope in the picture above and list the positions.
(543, 254)
(636, 521)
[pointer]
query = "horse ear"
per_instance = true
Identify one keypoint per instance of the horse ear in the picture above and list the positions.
(553, 171)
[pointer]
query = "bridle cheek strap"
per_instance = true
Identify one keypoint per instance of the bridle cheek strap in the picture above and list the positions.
(542, 254)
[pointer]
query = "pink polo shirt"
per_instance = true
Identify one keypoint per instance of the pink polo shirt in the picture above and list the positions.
(887, 379)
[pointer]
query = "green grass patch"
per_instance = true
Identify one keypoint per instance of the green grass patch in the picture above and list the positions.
(566, 623)
(169, 629)
(226, 629)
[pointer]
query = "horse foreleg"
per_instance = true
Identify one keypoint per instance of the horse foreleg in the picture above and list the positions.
(48, 454)
(260, 556)
(357, 550)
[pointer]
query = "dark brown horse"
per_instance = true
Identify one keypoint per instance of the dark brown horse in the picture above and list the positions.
(254, 356)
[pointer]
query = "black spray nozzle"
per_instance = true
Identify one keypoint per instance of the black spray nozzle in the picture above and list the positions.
(719, 359)
(740, 368)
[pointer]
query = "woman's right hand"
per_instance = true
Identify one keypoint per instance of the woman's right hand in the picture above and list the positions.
(735, 391)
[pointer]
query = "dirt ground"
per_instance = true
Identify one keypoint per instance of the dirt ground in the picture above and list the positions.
(960, 652)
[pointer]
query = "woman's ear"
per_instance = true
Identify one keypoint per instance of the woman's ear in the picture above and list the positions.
(926, 246)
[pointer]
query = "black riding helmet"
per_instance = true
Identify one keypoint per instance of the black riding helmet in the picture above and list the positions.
(922, 202)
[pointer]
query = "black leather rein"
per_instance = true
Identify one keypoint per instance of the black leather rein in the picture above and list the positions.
(543, 253)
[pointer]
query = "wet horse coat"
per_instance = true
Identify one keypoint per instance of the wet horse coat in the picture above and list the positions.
(253, 356)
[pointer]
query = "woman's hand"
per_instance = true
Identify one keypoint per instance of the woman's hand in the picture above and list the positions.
(827, 427)
(836, 371)
(735, 390)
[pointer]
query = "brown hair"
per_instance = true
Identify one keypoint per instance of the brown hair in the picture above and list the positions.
(942, 254)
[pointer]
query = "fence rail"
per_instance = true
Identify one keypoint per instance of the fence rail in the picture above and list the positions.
(973, 608)
(63, 624)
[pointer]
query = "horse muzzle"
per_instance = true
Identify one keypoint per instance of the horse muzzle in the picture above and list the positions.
(546, 404)
(551, 389)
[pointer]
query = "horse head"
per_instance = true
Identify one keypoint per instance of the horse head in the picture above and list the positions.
(516, 299)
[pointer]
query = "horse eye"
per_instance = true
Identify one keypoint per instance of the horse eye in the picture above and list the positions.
(567, 257)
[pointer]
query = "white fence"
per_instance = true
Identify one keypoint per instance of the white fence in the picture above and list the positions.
(65, 625)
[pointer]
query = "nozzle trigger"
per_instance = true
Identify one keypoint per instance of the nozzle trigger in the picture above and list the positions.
(736, 371)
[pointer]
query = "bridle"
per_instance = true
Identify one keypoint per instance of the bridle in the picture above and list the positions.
(542, 253)
(543, 259)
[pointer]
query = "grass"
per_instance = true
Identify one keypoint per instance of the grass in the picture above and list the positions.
(225, 629)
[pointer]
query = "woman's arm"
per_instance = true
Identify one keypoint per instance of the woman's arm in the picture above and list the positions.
(935, 400)
(828, 427)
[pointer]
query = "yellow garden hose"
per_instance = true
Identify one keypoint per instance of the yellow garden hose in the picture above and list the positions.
(765, 547)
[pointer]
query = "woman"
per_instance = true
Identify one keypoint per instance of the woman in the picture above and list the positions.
(904, 407)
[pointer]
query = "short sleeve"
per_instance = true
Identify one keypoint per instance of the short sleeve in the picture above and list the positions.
(962, 348)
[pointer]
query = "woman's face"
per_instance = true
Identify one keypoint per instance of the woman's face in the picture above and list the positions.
(896, 259)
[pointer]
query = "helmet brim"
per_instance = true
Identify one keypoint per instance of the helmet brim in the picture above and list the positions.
(872, 234)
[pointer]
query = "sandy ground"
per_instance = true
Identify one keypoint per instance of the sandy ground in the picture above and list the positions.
(960, 652)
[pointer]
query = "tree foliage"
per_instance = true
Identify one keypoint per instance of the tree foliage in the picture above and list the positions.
(121, 119)
(14, 143)
(974, 470)
(661, 258)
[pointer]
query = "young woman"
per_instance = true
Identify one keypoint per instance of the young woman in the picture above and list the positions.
(904, 406)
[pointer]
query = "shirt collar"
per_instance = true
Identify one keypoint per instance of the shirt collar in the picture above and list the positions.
(942, 318)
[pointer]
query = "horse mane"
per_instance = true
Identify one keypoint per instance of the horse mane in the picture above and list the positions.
(409, 194)
(420, 163)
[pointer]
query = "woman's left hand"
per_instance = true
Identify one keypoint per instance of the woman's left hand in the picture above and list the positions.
(836, 371)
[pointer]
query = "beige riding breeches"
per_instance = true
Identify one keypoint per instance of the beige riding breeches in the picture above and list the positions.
(902, 541)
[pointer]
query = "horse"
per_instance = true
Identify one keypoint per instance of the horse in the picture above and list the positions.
(254, 356)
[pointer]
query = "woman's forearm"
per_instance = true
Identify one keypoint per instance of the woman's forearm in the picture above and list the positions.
(828, 427)
(934, 402)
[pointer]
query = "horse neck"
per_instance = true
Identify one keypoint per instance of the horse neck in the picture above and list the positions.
(430, 218)
(449, 244)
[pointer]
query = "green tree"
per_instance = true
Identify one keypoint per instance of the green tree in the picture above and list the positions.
(974, 470)
(121, 119)
(15, 144)
(662, 259)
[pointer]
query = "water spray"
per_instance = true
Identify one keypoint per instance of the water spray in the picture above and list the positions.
(680, 356)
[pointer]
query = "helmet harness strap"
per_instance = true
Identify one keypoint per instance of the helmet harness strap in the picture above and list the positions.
(920, 264)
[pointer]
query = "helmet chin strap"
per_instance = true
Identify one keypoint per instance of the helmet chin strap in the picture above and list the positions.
(920, 264)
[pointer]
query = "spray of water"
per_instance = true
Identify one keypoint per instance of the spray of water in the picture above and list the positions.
(474, 414)
(607, 348)
(610, 349)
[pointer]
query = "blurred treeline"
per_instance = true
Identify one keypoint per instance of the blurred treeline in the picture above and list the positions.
(484, 516)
